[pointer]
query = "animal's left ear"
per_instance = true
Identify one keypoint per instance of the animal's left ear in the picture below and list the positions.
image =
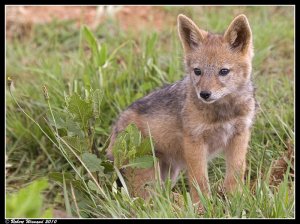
(239, 35)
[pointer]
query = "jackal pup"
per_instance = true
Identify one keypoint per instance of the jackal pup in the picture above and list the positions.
(210, 110)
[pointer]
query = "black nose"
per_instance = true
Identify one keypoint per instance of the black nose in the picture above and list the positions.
(205, 94)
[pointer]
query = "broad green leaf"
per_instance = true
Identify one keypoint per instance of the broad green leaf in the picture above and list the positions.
(57, 176)
(120, 149)
(92, 41)
(48, 213)
(108, 166)
(134, 134)
(144, 148)
(129, 145)
(141, 162)
(59, 119)
(79, 144)
(131, 153)
(69, 178)
(81, 109)
(92, 162)
(64, 122)
(73, 128)
(93, 187)
(27, 202)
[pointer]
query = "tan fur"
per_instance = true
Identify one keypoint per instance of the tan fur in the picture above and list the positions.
(187, 130)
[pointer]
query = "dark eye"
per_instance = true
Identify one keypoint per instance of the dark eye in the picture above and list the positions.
(197, 71)
(224, 71)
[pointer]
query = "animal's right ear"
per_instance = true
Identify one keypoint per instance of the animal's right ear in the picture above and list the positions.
(190, 35)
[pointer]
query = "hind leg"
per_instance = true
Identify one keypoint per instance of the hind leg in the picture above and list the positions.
(169, 170)
(139, 181)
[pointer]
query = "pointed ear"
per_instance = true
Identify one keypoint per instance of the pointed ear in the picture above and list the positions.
(190, 35)
(239, 35)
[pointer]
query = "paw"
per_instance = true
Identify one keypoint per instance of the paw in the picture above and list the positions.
(232, 186)
(199, 208)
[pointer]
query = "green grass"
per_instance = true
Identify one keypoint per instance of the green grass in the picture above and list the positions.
(125, 67)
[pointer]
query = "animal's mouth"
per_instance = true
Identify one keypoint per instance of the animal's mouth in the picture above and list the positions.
(207, 101)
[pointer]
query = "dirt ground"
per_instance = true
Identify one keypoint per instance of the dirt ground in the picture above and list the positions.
(129, 17)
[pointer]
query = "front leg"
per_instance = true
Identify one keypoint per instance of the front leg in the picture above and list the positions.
(195, 153)
(235, 154)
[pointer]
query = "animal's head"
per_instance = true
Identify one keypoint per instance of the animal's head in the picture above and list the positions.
(217, 64)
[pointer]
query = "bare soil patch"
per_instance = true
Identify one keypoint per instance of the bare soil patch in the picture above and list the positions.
(20, 19)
